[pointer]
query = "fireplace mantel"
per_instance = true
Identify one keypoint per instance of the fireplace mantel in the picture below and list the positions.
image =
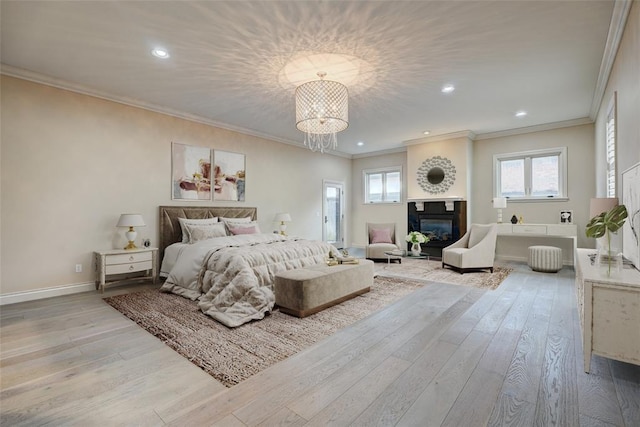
(448, 202)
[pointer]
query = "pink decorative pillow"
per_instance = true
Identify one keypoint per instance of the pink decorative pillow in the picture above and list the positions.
(381, 235)
(243, 230)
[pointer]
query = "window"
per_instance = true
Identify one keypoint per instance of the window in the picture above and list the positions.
(383, 185)
(531, 175)
(610, 142)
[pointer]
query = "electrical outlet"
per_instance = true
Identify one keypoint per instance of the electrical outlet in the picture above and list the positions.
(78, 268)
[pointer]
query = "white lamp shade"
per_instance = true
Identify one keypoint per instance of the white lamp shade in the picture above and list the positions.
(283, 217)
(499, 202)
(130, 220)
(599, 205)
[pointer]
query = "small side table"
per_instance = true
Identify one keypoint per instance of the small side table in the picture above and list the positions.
(121, 261)
(404, 254)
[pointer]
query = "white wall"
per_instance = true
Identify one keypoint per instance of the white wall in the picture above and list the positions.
(362, 213)
(457, 150)
(581, 180)
(71, 164)
(625, 81)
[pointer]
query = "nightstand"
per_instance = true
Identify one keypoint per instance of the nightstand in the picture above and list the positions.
(120, 262)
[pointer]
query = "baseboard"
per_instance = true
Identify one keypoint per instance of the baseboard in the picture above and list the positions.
(46, 293)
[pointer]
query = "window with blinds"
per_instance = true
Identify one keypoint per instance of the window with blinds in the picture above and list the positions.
(611, 148)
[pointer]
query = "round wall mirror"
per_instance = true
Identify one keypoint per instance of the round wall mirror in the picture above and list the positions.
(435, 175)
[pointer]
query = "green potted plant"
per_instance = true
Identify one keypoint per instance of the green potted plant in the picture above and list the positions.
(602, 225)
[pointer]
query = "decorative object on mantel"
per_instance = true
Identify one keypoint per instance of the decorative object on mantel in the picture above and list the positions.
(131, 220)
(416, 237)
(514, 219)
(436, 175)
(603, 224)
(322, 110)
(499, 203)
(283, 218)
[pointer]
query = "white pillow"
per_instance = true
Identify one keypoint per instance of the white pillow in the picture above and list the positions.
(236, 228)
(243, 220)
(204, 232)
(193, 221)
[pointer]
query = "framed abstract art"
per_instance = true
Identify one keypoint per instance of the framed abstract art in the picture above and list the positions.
(190, 172)
(631, 227)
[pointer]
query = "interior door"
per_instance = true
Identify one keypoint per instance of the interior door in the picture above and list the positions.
(333, 213)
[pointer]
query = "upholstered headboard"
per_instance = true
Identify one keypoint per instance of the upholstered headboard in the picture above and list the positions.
(170, 231)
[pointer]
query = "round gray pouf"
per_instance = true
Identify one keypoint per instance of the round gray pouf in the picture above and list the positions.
(547, 259)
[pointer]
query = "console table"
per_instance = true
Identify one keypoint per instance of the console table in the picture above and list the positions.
(539, 234)
(609, 311)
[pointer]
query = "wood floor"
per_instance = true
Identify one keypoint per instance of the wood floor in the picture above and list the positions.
(445, 355)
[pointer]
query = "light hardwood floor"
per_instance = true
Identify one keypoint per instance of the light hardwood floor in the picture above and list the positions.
(445, 355)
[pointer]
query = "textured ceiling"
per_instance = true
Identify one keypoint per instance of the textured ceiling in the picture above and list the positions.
(227, 57)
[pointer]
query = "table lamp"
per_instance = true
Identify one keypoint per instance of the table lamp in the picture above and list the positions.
(499, 203)
(131, 220)
(282, 218)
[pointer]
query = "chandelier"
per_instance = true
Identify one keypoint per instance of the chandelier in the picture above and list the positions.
(322, 110)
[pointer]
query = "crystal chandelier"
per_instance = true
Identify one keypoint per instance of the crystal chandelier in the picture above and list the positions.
(322, 110)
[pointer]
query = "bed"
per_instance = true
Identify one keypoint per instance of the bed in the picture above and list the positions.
(231, 277)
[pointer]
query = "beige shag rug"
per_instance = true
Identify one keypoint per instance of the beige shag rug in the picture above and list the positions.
(433, 271)
(233, 355)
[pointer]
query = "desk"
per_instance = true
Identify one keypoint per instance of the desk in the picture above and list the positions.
(515, 239)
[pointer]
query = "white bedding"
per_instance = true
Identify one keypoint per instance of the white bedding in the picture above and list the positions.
(233, 276)
(171, 254)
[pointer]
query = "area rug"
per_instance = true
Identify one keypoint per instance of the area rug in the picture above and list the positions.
(233, 355)
(433, 271)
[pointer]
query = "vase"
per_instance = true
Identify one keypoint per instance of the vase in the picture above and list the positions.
(609, 263)
(416, 250)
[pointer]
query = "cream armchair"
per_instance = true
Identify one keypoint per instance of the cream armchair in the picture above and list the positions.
(381, 238)
(476, 250)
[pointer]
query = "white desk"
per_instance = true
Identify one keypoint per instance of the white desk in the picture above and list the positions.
(515, 239)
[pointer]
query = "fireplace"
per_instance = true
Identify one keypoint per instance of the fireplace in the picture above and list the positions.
(437, 230)
(443, 227)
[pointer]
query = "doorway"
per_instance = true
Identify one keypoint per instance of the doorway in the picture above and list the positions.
(333, 213)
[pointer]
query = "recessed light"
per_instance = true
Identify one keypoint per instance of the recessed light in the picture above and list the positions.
(360, 144)
(521, 113)
(448, 88)
(426, 132)
(160, 53)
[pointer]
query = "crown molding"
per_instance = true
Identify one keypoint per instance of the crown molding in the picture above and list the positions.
(535, 128)
(31, 76)
(619, 16)
(379, 153)
(454, 135)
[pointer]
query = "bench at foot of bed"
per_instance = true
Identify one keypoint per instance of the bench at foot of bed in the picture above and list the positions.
(305, 291)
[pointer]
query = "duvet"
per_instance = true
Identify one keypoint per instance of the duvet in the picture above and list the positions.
(232, 277)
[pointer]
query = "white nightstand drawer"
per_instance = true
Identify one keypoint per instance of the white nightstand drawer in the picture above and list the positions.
(128, 258)
(128, 268)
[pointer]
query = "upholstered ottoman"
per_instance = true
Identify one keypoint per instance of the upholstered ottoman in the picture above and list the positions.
(547, 259)
(305, 291)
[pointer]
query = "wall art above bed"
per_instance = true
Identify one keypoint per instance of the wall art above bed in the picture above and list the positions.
(191, 174)
(229, 174)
